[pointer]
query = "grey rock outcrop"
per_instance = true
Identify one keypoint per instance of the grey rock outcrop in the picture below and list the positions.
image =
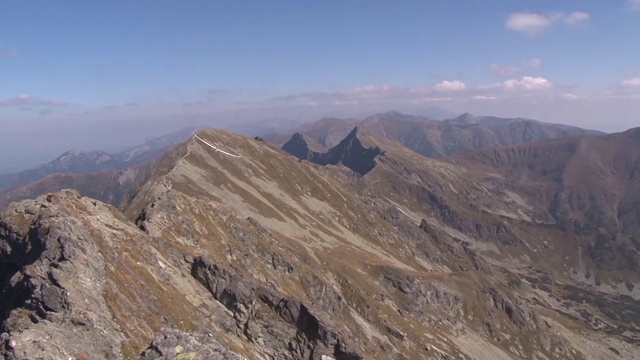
(173, 344)
(268, 319)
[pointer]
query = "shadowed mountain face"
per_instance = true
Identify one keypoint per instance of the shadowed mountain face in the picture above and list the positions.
(588, 184)
(85, 162)
(349, 152)
(437, 139)
(267, 256)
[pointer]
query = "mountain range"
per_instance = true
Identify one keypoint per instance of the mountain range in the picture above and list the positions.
(352, 247)
(433, 138)
(98, 174)
(84, 162)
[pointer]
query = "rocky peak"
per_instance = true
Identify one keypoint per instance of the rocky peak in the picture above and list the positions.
(350, 152)
(299, 147)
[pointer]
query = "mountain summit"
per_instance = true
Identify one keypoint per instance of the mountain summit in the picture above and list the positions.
(350, 152)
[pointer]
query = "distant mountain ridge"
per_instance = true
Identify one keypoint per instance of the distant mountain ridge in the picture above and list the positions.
(587, 183)
(85, 162)
(433, 138)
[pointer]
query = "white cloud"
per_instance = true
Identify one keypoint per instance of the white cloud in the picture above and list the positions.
(576, 17)
(28, 100)
(369, 89)
(635, 82)
(570, 96)
(429, 100)
(509, 70)
(482, 97)
(634, 4)
(454, 85)
(526, 83)
(345, 102)
(533, 24)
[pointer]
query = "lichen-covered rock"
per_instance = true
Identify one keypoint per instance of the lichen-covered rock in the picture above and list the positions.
(171, 344)
(263, 316)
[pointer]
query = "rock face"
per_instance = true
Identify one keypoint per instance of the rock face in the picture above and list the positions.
(44, 304)
(269, 257)
(350, 152)
(256, 309)
(174, 344)
(298, 146)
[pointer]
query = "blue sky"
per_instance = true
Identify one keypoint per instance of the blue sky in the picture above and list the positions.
(108, 73)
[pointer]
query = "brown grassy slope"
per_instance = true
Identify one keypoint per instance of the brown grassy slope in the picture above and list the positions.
(593, 179)
(350, 231)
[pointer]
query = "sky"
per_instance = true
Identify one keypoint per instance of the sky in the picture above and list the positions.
(107, 74)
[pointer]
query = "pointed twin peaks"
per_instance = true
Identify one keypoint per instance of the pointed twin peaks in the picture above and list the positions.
(350, 152)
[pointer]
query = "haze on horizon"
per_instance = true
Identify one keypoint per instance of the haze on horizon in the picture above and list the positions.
(104, 75)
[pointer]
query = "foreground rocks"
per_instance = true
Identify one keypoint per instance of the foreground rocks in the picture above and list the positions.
(174, 344)
(264, 317)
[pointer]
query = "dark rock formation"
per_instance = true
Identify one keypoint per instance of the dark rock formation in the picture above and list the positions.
(299, 147)
(263, 316)
(174, 344)
(349, 152)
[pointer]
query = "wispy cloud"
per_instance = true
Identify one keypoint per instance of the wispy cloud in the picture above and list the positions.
(570, 96)
(635, 82)
(510, 70)
(215, 92)
(576, 17)
(444, 91)
(526, 83)
(28, 100)
(427, 100)
(368, 90)
(454, 85)
(109, 109)
(372, 93)
(534, 24)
